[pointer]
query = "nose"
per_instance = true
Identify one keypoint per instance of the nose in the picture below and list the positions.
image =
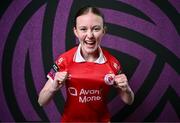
(90, 34)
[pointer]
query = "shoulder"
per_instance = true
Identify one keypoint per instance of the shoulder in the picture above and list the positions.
(69, 53)
(112, 60)
(109, 56)
(66, 56)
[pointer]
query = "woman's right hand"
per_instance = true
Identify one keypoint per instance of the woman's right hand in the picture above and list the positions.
(59, 79)
(50, 87)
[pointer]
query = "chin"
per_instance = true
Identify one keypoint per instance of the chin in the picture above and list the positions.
(92, 50)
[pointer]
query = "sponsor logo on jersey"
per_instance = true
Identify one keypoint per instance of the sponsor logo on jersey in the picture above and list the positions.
(72, 91)
(85, 95)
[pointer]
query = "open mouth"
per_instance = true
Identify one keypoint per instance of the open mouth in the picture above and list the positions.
(90, 43)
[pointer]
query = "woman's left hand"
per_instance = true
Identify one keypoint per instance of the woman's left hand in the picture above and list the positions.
(121, 82)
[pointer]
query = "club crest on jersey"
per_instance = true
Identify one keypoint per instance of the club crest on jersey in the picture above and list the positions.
(109, 79)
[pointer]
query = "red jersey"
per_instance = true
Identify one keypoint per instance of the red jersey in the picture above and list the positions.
(86, 88)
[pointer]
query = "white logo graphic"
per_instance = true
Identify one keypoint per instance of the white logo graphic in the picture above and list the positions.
(85, 95)
(59, 61)
(72, 91)
(89, 95)
(116, 66)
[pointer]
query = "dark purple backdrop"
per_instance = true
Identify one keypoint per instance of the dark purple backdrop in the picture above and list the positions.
(143, 35)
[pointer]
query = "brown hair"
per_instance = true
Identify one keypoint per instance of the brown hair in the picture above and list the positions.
(87, 9)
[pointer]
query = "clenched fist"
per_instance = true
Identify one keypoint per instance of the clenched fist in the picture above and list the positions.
(59, 79)
(121, 82)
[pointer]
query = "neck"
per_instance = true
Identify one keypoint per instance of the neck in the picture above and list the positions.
(90, 57)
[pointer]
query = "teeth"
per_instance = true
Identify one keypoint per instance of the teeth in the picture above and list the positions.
(91, 43)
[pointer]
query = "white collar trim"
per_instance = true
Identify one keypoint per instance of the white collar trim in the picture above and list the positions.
(78, 57)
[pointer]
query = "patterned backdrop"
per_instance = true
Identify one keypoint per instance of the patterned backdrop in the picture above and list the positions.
(143, 34)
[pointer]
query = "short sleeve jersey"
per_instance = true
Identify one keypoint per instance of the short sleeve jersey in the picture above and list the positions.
(86, 88)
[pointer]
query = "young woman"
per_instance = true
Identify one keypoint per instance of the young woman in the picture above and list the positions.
(88, 71)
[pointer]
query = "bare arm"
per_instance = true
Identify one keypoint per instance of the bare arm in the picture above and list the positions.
(46, 94)
(51, 86)
(127, 96)
(126, 92)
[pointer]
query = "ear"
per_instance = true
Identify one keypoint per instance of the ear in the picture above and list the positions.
(105, 29)
(75, 31)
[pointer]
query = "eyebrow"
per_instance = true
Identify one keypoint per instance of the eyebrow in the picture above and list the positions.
(92, 27)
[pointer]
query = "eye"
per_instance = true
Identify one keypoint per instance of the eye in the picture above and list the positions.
(83, 29)
(97, 29)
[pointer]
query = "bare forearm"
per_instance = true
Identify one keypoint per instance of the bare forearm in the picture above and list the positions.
(45, 96)
(51, 87)
(127, 96)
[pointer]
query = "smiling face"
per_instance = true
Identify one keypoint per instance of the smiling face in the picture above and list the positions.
(89, 30)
